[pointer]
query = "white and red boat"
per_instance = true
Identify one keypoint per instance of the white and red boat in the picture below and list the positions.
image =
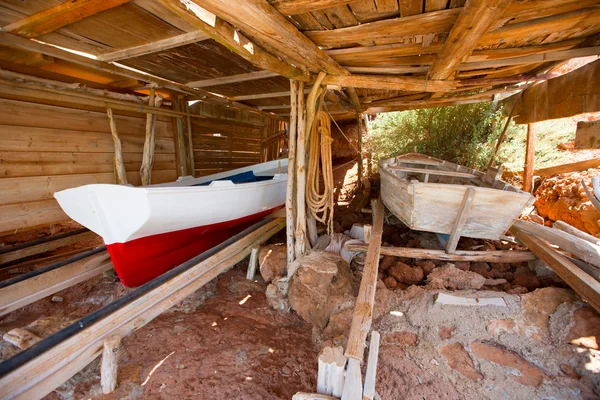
(149, 230)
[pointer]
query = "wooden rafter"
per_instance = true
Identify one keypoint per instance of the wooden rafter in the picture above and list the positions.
(224, 33)
(264, 95)
(292, 7)
(250, 76)
(154, 47)
(267, 26)
(61, 15)
(475, 19)
(389, 83)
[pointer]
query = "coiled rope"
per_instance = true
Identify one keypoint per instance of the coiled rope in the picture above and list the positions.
(320, 202)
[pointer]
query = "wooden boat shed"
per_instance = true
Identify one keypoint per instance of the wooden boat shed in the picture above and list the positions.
(144, 91)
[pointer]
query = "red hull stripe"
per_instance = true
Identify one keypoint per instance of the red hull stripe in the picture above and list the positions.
(143, 259)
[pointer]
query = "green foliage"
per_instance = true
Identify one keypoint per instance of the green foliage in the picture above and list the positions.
(463, 134)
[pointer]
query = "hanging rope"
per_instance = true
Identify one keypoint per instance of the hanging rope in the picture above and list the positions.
(320, 202)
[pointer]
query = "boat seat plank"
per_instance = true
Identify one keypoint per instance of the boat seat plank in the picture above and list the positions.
(433, 172)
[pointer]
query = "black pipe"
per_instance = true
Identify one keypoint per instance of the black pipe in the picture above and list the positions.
(46, 344)
(50, 267)
(20, 246)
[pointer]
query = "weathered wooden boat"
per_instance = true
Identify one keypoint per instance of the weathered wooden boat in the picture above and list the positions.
(149, 230)
(432, 195)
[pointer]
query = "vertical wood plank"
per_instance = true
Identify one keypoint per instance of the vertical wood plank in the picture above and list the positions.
(529, 159)
(110, 364)
(291, 185)
(461, 220)
(119, 165)
(300, 235)
(360, 159)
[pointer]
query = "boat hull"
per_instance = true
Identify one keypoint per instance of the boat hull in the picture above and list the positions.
(141, 260)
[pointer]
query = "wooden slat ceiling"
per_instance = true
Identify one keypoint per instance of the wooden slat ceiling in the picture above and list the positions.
(367, 37)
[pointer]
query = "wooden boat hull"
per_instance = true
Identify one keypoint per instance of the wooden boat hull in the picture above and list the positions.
(434, 207)
(149, 230)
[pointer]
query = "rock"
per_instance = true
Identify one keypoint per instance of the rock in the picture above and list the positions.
(459, 360)
(569, 371)
(529, 374)
(276, 294)
(517, 290)
(243, 285)
(386, 262)
(426, 265)
(498, 326)
(382, 300)
(494, 282)
(390, 282)
(339, 323)
(21, 338)
(272, 261)
(482, 268)
(445, 332)
(406, 274)
(453, 278)
(402, 338)
(538, 306)
(529, 282)
(57, 299)
(585, 331)
(322, 281)
(463, 265)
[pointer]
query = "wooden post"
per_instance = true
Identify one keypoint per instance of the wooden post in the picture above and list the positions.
(529, 159)
(192, 163)
(180, 139)
(253, 263)
(359, 157)
(369, 390)
(367, 229)
(291, 182)
(501, 137)
(461, 220)
(109, 367)
(149, 141)
(300, 236)
(330, 379)
(119, 165)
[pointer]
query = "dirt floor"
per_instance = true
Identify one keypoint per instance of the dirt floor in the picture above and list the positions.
(227, 341)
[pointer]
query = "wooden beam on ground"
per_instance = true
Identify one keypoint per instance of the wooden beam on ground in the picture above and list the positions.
(574, 93)
(154, 47)
(499, 256)
(266, 25)
(224, 33)
(58, 16)
(225, 80)
(475, 19)
(585, 285)
(55, 366)
(529, 159)
(363, 311)
(563, 226)
(461, 220)
(27, 291)
(580, 248)
(46, 244)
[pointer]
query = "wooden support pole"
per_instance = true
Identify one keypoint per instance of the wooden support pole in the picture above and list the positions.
(367, 232)
(291, 180)
(529, 159)
(253, 263)
(121, 175)
(586, 286)
(190, 141)
(461, 220)
(370, 375)
(504, 130)
(180, 140)
(149, 141)
(300, 235)
(110, 364)
(499, 256)
(359, 158)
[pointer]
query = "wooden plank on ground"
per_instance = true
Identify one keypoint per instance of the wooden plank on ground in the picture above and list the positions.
(52, 368)
(30, 290)
(586, 286)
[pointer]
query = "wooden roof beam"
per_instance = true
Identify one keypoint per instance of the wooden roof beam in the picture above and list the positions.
(225, 34)
(264, 95)
(475, 19)
(384, 82)
(225, 80)
(154, 47)
(265, 24)
(59, 16)
(293, 7)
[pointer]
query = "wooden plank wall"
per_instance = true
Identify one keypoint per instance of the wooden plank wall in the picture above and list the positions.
(230, 138)
(45, 148)
(587, 135)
